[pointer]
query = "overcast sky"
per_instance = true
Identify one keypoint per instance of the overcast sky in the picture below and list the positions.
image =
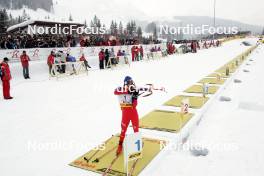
(247, 11)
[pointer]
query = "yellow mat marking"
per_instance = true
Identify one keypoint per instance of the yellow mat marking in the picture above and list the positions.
(222, 75)
(212, 81)
(151, 147)
(195, 101)
(199, 89)
(164, 121)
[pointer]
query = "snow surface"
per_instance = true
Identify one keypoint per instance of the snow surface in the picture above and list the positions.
(231, 131)
(50, 123)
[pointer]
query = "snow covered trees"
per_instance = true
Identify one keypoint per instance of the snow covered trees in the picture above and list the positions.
(152, 28)
(113, 28)
(4, 20)
(18, 4)
(131, 28)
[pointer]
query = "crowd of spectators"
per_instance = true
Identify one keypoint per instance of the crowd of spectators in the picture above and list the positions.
(22, 41)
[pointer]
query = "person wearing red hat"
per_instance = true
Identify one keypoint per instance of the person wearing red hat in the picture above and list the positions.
(6, 77)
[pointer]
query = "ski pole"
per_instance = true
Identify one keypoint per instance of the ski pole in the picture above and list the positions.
(103, 155)
(88, 159)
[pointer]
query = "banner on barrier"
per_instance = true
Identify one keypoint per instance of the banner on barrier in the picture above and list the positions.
(90, 52)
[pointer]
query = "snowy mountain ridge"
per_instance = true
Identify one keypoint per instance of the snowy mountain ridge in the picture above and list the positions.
(120, 11)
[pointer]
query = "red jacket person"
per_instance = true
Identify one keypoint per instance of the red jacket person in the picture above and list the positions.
(6, 77)
(50, 62)
(24, 58)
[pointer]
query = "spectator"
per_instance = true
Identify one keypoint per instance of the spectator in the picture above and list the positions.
(137, 53)
(113, 57)
(141, 52)
(83, 59)
(24, 58)
(133, 53)
(50, 62)
(57, 61)
(118, 55)
(107, 56)
(6, 77)
(61, 58)
(101, 59)
(125, 57)
(70, 58)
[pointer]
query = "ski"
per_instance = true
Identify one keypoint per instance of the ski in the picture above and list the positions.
(134, 165)
(133, 168)
(110, 166)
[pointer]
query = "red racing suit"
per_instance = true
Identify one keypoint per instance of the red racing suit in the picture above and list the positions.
(6, 79)
(128, 103)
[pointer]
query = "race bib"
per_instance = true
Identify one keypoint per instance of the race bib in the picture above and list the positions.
(125, 99)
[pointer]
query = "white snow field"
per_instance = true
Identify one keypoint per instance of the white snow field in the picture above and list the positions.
(50, 123)
(231, 131)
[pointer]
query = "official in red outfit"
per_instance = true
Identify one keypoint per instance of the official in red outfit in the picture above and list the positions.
(133, 53)
(24, 58)
(50, 62)
(128, 95)
(6, 77)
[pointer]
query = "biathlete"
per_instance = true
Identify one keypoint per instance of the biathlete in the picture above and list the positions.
(127, 96)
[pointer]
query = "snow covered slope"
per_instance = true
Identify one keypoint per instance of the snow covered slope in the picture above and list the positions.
(50, 123)
(83, 9)
(38, 14)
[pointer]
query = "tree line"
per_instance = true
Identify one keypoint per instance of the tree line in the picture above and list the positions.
(33, 4)
(130, 29)
(7, 20)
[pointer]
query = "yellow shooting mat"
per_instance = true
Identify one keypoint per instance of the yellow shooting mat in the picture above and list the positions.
(164, 121)
(199, 89)
(222, 75)
(212, 81)
(99, 160)
(195, 102)
(231, 67)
